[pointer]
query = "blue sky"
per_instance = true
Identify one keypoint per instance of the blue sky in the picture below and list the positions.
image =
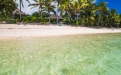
(111, 4)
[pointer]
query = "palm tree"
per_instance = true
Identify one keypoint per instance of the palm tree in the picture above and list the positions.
(39, 3)
(88, 14)
(120, 19)
(79, 4)
(49, 7)
(65, 8)
(101, 10)
(110, 15)
(21, 4)
(115, 18)
(58, 3)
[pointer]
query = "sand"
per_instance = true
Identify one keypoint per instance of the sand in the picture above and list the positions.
(20, 31)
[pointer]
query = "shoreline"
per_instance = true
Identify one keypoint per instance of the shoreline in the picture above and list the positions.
(23, 31)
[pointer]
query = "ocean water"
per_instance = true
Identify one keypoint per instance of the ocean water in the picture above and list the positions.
(94, 54)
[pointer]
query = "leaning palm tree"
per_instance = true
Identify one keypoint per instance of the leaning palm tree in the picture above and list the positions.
(21, 4)
(40, 4)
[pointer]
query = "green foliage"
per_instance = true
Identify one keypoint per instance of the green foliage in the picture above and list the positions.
(66, 21)
(74, 12)
(36, 14)
(53, 21)
(31, 19)
(2, 19)
(78, 22)
(7, 7)
(8, 20)
(11, 21)
(42, 23)
(17, 20)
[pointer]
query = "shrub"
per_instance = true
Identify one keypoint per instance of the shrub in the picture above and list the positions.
(10, 21)
(17, 20)
(2, 19)
(42, 23)
(53, 21)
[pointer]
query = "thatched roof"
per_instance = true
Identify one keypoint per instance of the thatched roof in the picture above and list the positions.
(17, 11)
(55, 16)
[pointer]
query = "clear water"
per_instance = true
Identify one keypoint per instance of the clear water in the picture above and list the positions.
(97, 54)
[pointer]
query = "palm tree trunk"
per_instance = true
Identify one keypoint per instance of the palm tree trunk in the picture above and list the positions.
(41, 15)
(20, 10)
(57, 12)
(49, 17)
(77, 18)
(99, 18)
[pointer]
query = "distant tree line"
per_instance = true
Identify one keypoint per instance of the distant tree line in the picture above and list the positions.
(74, 12)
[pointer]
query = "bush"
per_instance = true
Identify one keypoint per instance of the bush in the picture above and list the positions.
(53, 21)
(17, 20)
(42, 22)
(10, 21)
(31, 19)
(2, 19)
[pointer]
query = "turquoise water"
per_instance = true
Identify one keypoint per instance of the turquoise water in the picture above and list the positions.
(97, 54)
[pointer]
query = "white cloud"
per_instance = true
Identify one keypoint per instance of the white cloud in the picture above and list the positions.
(27, 9)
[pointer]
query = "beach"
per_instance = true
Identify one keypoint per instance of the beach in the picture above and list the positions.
(21, 31)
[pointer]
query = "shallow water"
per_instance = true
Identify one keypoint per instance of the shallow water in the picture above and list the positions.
(97, 54)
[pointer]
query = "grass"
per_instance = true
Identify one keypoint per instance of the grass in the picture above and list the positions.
(97, 54)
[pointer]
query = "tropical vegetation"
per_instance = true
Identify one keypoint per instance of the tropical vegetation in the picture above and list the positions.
(21, 3)
(6, 9)
(74, 12)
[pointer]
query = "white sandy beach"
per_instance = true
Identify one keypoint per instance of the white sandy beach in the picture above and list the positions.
(14, 30)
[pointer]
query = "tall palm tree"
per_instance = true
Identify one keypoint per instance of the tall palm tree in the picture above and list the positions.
(101, 10)
(88, 13)
(49, 7)
(79, 4)
(40, 4)
(21, 4)
(58, 3)
(65, 8)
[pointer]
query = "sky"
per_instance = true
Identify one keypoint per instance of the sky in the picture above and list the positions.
(27, 9)
(111, 4)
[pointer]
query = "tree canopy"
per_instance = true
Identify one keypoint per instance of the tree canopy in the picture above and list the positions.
(75, 12)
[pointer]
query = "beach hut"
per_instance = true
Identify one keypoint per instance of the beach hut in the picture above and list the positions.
(18, 12)
(55, 17)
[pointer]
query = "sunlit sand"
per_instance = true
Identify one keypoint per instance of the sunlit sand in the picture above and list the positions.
(14, 30)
